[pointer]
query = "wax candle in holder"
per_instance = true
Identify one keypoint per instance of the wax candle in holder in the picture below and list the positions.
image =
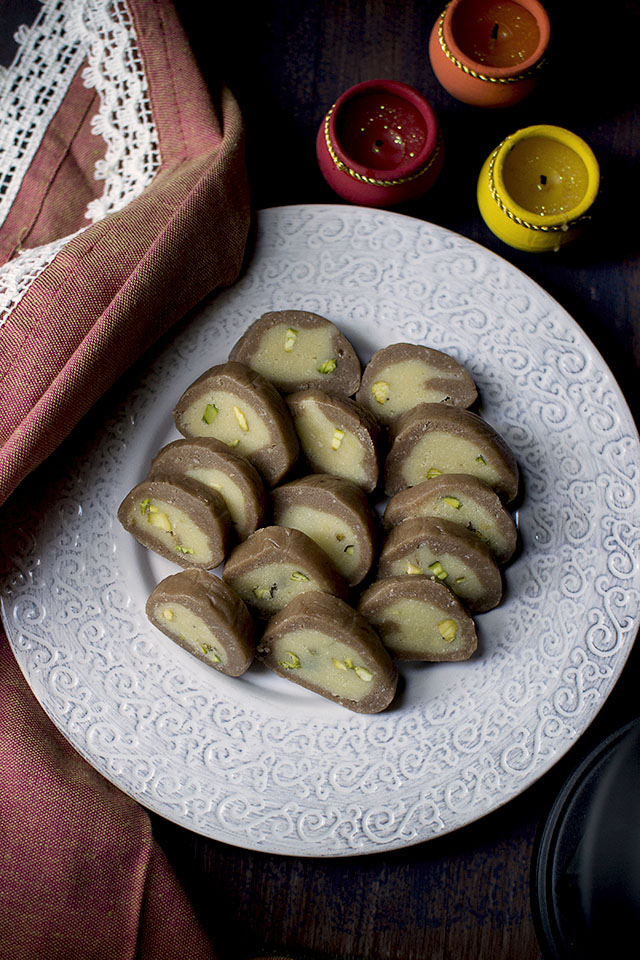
(536, 189)
(488, 53)
(380, 145)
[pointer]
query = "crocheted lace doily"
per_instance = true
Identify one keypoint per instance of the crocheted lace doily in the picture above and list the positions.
(65, 34)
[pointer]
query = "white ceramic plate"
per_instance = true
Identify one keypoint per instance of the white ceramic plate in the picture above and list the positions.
(262, 763)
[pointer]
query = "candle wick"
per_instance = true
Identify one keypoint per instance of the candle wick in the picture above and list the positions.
(494, 32)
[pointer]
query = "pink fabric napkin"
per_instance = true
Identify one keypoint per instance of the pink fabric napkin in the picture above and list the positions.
(95, 270)
(81, 877)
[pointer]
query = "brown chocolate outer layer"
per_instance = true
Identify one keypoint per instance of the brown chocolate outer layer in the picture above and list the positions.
(340, 497)
(346, 415)
(272, 461)
(334, 617)
(444, 537)
(205, 507)
(416, 502)
(221, 609)
(276, 544)
(344, 380)
(384, 593)
(431, 417)
(454, 381)
(174, 459)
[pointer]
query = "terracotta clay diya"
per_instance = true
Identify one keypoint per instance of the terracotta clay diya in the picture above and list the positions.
(488, 53)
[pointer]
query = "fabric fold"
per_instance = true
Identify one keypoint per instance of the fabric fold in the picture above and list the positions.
(80, 873)
(158, 222)
(115, 286)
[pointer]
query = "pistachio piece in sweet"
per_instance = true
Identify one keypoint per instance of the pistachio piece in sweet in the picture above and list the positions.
(293, 663)
(158, 519)
(300, 577)
(380, 391)
(210, 413)
(413, 569)
(328, 366)
(145, 505)
(241, 418)
(232, 443)
(336, 440)
(181, 549)
(168, 613)
(364, 674)
(480, 459)
(339, 537)
(210, 652)
(339, 664)
(438, 570)
(349, 550)
(290, 339)
(263, 593)
(448, 630)
(433, 472)
(452, 502)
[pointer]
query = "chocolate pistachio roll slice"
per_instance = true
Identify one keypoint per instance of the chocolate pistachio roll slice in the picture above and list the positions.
(337, 436)
(276, 564)
(211, 463)
(206, 617)
(418, 618)
(336, 514)
(234, 404)
(446, 552)
(323, 644)
(295, 349)
(462, 499)
(402, 375)
(178, 519)
(436, 438)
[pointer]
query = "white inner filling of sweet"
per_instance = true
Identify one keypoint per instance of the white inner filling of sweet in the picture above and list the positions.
(307, 350)
(227, 423)
(469, 512)
(317, 434)
(271, 586)
(184, 537)
(459, 575)
(441, 451)
(409, 625)
(409, 385)
(325, 662)
(230, 492)
(187, 626)
(331, 533)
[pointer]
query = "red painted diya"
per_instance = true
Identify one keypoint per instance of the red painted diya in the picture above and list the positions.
(380, 145)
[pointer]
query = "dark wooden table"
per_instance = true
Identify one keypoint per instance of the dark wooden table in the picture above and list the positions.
(465, 895)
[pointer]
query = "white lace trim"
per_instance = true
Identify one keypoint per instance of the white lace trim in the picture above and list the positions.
(51, 52)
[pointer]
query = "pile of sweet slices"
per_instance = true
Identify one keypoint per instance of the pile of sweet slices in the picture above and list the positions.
(288, 455)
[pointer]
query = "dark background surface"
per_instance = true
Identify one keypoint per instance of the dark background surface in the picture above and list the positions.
(465, 895)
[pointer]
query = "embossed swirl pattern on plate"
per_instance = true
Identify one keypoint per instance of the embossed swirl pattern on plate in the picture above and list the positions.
(252, 762)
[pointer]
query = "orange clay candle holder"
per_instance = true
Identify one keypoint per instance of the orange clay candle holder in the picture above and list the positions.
(488, 52)
(537, 187)
(380, 144)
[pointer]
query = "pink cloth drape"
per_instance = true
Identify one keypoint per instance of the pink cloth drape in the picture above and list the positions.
(80, 873)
